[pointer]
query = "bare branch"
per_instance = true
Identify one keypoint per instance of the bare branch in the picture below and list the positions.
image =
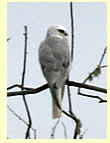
(27, 135)
(105, 66)
(21, 87)
(102, 57)
(32, 91)
(72, 31)
(87, 86)
(92, 96)
(72, 54)
(45, 86)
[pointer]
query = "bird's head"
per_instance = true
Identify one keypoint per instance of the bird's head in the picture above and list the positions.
(57, 31)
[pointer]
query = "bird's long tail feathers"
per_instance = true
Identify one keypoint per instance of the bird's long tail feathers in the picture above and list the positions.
(57, 101)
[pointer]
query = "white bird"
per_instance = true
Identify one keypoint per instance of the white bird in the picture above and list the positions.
(54, 57)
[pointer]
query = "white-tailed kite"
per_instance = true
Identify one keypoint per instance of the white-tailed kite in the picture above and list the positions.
(54, 57)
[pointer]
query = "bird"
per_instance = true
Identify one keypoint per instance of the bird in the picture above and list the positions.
(55, 62)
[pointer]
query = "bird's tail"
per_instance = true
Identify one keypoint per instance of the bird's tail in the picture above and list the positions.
(57, 102)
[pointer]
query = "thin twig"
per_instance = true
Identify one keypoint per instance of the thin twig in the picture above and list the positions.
(21, 119)
(65, 130)
(92, 96)
(54, 129)
(21, 87)
(72, 50)
(72, 31)
(77, 121)
(27, 135)
(102, 57)
(103, 66)
(82, 135)
(32, 91)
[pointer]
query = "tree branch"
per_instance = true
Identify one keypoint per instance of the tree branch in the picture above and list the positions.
(20, 86)
(87, 86)
(45, 86)
(92, 96)
(77, 121)
(27, 135)
(72, 31)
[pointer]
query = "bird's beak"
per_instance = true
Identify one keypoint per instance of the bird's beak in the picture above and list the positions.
(65, 33)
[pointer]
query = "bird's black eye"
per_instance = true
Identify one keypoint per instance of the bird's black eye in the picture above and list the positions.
(61, 31)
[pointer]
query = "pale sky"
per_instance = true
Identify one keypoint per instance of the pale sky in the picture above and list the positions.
(90, 41)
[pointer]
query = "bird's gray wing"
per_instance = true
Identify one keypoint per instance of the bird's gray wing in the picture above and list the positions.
(62, 56)
(54, 62)
(48, 63)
